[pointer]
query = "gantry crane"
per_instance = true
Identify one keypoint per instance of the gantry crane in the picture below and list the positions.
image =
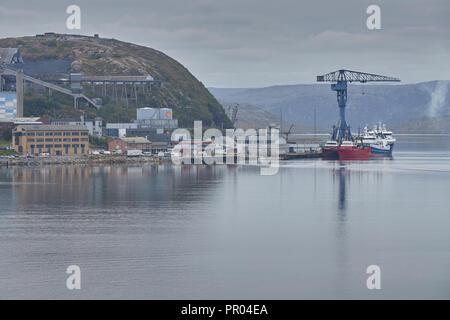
(341, 77)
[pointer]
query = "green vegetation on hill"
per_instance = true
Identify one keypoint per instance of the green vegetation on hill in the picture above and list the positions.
(181, 91)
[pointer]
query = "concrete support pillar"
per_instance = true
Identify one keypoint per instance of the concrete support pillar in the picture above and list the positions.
(19, 93)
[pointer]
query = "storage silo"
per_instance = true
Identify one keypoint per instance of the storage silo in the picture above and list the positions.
(165, 113)
(147, 114)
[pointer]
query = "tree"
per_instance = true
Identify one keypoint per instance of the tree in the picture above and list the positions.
(7, 135)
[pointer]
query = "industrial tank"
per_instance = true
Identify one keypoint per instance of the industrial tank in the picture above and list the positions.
(165, 114)
(147, 114)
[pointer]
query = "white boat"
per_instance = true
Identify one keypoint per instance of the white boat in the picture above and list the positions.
(379, 139)
(368, 136)
(385, 134)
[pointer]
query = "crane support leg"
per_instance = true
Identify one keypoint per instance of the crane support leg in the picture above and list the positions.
(341, 91)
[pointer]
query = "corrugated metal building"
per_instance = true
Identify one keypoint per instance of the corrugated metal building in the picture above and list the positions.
(8, 105)
(10, 56)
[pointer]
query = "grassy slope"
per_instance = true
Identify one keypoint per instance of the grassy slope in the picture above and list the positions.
(181, 91)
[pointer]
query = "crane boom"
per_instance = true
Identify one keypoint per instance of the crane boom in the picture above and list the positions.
(341, 77)
(353, 76)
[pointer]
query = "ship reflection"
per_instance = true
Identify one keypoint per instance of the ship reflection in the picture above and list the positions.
(342, 190)
(348, 176)
(341, 177)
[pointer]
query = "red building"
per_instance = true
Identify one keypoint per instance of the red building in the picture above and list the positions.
(10, 124)
(131, 143)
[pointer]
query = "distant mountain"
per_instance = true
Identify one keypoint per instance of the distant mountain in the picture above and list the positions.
(391, 104)
(250, 116)
(424, 125)
(52, 54)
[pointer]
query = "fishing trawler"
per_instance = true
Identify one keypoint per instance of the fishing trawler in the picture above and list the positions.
(371, 143)
(348, 150)
(379, 139)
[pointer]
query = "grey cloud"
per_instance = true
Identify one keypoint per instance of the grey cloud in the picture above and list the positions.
(256, 43)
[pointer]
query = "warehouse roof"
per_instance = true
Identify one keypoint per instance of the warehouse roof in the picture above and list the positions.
(135, 140)
(46, 127)
(23, 119)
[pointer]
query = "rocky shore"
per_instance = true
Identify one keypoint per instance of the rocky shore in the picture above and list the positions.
(80, 160)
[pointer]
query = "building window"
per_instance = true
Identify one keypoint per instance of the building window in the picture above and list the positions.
(66, 139)
(84, 133)
(48, 146)
(58, 146)
(49, 140)
(40, 140)
(57, 134)
(40, 134)
(30, 140)
(49, 134)
(75, 133)
(66, 133)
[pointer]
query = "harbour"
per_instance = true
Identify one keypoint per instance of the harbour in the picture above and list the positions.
(224, 158)
(211, 232)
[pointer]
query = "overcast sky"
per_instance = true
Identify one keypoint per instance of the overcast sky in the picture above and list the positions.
(253, 43)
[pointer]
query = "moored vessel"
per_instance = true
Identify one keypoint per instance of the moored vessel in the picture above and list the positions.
(329, 150)
(382, 148)
(349, 151)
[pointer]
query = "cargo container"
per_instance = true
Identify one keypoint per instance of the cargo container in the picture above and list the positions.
(134, 153)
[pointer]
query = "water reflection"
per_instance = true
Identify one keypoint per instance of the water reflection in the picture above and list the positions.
(109, 186)
(180, 232)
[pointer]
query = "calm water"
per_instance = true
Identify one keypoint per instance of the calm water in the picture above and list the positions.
(227, 232)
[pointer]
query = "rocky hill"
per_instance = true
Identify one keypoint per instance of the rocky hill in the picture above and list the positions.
(59, 53)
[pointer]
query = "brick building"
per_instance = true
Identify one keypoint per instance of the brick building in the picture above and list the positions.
(130, 143)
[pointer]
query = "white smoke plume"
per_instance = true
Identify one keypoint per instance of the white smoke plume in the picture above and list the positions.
(438, 98)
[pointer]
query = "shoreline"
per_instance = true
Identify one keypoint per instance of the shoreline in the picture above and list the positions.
(79, 160)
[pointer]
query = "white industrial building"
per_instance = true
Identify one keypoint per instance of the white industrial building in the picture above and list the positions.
(94, 125)
(144, 114)
(150, 121)
(8, 105)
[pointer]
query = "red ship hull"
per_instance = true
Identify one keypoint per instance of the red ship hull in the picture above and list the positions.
(330, 153)
(353, 153)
